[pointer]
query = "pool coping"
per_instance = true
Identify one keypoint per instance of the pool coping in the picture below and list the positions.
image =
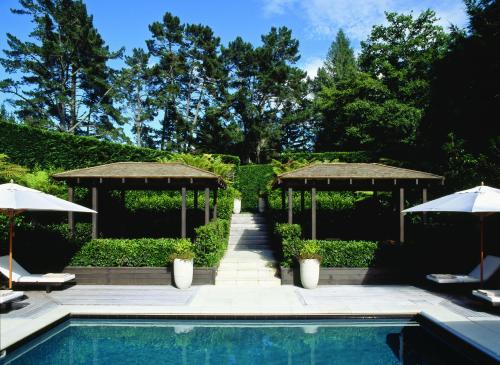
(463, 345)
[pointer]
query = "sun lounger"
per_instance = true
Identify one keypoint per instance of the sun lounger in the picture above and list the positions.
(491, 296)
(21, 276)
(490, 265)
(7, 296)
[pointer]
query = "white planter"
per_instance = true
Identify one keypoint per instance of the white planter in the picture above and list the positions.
(309, 273)
(183, 273)
(237, 206)
(262, 205)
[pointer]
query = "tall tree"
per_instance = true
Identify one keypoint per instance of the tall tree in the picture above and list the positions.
(340, 62)
(133, 91)
(164, 46)
(65, 77)
(461, 130)
(262, 80)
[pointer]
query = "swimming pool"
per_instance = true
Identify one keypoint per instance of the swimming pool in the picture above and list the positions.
(164, 341)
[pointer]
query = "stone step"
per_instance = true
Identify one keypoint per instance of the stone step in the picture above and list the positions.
(253, 265)
(246, 247)
(247, 275)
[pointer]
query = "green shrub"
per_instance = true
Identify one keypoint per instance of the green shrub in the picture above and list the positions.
(288, 236)
(310, 250)
(183, 249)
(206, 162)
(252, 180)
(211, 243)
(126, 252)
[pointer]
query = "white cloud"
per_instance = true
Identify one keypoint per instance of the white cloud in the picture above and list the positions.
(311, 66)
(356, 17)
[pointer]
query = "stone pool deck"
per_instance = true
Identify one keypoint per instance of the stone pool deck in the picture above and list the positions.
(460, 315)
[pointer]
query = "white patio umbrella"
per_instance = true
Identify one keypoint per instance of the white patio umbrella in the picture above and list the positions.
(15, 199)
(481, 201)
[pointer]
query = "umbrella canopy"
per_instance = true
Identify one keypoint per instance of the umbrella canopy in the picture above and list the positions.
(15, 199)
(19, 198)
(481, 200)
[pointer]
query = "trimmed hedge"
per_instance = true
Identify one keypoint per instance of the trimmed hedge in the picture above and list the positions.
(334, 253)
(211, 243)
(353, 156)
(126, 252)
(28, 146)
(250, 181)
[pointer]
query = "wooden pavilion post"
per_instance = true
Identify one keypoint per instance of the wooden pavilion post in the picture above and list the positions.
(401, 215)
(95, 223)
(183, 212)
(313, 213)
(71, 215)
(215, 203)
(290, 205)
(207, 205)
(424, 200)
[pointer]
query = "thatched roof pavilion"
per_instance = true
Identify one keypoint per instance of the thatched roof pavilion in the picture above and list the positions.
(144, 176)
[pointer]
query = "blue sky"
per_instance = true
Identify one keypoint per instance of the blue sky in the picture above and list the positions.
(314, 22)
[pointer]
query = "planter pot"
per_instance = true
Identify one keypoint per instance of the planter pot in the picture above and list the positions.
(309, 273)
(262, 205)
(237, 206)
(183, 273)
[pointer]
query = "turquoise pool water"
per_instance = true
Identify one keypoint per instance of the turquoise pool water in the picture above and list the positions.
(120, 341)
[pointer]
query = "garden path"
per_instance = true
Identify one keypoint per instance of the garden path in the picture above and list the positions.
(249, 259)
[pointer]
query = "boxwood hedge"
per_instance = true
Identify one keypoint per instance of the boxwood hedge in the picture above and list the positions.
(211, 243)
(250, 181)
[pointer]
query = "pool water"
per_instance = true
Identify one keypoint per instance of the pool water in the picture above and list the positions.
(120, 341)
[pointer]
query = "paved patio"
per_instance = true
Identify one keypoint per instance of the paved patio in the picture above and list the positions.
(460, 315)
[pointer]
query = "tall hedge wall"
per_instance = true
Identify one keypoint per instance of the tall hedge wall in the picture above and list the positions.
(353, 156)
(250, 180)
(31, 147)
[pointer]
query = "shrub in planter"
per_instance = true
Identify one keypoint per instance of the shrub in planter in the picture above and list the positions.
(288, 237)
(182, 258)
(309, 259)
(211, 242)
(126, 252)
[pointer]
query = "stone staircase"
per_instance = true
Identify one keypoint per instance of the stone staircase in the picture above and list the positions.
(249, 259)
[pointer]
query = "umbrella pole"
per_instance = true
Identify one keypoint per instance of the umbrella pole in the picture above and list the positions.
(481, 225)
(11, 233)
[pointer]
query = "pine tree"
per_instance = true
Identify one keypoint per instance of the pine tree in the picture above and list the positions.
(340, 61)
(65, 77)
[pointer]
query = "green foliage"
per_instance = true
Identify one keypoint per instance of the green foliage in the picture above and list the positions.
(127, 252)
(212, 163)
(251, 181)
(183, 249)
(289, 237)
(354, 156)
(11, 171)
(42, 180)
(339, 201)
(333, 253)
(310, 250)
(211, 243)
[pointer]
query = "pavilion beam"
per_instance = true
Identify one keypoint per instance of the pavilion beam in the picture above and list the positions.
(313, 213)
(283, 204)
(424, 200)
(207, 205)
(401, 215)
(95, 223)
(71, 215)
(215, 204)
(183, 212)
(290, 205)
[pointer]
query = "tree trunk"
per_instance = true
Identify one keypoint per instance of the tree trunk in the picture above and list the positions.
(73, 120)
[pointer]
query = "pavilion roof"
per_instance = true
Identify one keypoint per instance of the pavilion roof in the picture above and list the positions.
(336, 172)
(140, 171)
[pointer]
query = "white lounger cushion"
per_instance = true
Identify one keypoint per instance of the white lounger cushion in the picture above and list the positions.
(490, 265)
(9, 295)
(492, 296)
(20, 275)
